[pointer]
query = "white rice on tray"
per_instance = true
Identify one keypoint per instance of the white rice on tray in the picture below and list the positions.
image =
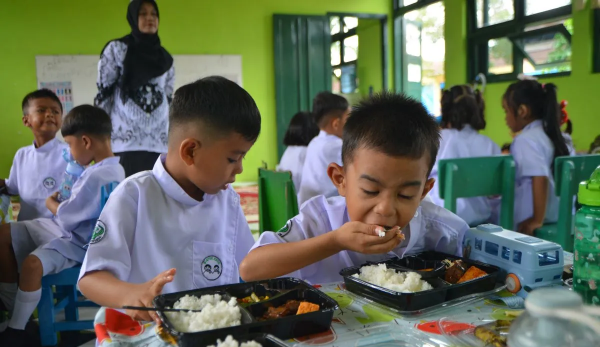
(215, 314)
(404, 282)
(230, 342)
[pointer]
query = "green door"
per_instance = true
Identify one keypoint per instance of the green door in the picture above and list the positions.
(408, 57)
(302, 65)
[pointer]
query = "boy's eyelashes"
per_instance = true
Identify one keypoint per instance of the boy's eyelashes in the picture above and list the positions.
(374, 193)
(231, 161)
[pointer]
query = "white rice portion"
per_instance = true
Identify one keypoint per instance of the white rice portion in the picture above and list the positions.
(215, 314)
(230, 342)
(403, 282)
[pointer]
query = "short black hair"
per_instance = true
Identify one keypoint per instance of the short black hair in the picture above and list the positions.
(302, 129)
(327, 104)
(462, 105)
(394, 124)
(39, 94)
(220, 104)
(87, 120)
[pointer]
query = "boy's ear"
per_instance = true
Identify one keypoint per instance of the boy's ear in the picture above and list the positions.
(26, 121)
(338, 177)
(428, 186)
(523, 111)
(188, 149)
(87, 141)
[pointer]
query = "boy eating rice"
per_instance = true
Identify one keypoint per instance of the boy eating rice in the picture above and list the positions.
(181, 216)
(389, 147)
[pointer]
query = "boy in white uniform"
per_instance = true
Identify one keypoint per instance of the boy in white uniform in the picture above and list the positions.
(182, 216)
(38, 168)
(43, 246)
(330, 112)
(390, 144)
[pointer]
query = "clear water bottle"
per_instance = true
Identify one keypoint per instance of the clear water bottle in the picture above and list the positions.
(555, 317)
(586, 258)
(70, 176)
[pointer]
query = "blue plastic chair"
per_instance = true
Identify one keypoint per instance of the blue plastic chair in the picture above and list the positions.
(66, 297)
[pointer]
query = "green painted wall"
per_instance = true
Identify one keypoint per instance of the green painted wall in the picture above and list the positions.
(369, 56)
(32, 27)
(580, 89)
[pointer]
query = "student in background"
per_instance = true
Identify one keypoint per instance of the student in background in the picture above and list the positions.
(33, 249)
(301, 131)
(564, 119)
(462, 119)
(532, 108)
(389, 147)
(38, 168)
(330, 112)
(183, 215)
(505, 149)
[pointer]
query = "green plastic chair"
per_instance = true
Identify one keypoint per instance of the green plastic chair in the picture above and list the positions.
(277, 200)
(480, 176)
(568, 172)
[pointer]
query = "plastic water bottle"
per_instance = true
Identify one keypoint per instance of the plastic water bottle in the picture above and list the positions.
(70, 176)
(586, 260)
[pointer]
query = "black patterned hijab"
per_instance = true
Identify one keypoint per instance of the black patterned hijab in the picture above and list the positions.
(146, 58)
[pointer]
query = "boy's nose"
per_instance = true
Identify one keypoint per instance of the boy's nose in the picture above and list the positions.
(385, 208)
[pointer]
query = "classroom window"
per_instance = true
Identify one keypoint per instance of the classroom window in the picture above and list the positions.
(596, 43)
(507, 38)
(505, 253)
(478, 243)
(491, 248)
(517, 255)
(419, 38)
(344, 54)
(548, 258)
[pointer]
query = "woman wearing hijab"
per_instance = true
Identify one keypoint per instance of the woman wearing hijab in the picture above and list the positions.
(135, 86)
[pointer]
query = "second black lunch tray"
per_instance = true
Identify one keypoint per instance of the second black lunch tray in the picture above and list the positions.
(279, 291)
(432, 262)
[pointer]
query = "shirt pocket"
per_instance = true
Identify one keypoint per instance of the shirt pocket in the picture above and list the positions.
(213, 265)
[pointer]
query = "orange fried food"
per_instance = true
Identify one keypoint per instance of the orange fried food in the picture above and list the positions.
(307, 307)
(472, 274)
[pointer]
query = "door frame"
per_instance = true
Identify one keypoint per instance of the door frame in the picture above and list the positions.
(383, 19)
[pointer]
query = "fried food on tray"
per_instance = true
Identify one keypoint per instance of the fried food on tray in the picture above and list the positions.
(307, 307)
(489, 337)
(455, 270)
(472, 274)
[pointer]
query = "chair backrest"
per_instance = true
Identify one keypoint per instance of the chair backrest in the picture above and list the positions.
(277, 200)
(105, 192)
(568, 173)
(480, 176)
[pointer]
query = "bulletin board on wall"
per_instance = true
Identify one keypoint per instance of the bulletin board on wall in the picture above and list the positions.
(73, 77)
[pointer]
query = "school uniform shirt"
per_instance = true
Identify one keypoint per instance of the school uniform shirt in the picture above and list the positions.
(533, 153)
(322, 151)
(142, 122)
(292, 160)
(569, 142)
(71, 229)
(150, 224)
(36, 174)
(465, 143)
(432, 228)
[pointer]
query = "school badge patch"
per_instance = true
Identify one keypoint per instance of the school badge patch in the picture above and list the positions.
(212, 267)
(99, 232)
(286, 229)
(49, 183)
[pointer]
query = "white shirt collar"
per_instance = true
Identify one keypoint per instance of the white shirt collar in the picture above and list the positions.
(47, 147)
(171, 187)
(535, 124)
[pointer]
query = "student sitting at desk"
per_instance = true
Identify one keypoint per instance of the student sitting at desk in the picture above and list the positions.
(389, 146)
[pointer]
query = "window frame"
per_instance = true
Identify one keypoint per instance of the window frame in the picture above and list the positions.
(477, 39)
(596, 43)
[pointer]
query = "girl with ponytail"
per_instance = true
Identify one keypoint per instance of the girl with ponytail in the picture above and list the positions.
(532, 109)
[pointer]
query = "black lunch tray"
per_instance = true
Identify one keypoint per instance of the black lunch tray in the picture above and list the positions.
(442, 291)
(279, 290)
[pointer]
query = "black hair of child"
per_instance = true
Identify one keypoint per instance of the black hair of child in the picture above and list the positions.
(542, 103)
(327, 104)
(301, 131)
(506, 147)
(220, 104)
(395, 124)
(39, 94)
(461, 105)
(87, 120)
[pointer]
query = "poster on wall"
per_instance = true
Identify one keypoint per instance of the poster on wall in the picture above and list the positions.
(64, 92)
